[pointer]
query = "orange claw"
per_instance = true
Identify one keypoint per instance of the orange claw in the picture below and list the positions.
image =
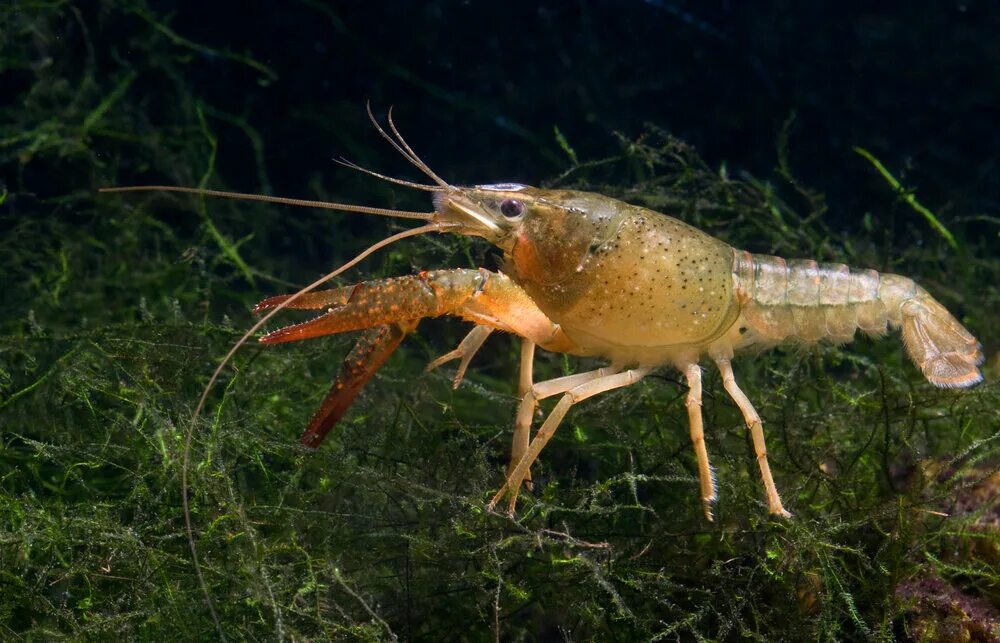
(307, 301)
(372, 349)
(389, 309)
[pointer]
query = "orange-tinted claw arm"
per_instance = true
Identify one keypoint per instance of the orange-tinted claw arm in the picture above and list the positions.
(372, 349)
(483, 297)
(389, 309)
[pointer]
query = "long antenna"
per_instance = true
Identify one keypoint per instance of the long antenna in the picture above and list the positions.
(325, 205)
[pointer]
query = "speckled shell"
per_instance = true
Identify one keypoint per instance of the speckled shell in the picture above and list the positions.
(645, 286)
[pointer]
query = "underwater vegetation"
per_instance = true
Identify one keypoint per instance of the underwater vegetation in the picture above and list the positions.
(117, 308)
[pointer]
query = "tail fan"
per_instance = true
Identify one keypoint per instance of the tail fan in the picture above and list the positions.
(946, 353)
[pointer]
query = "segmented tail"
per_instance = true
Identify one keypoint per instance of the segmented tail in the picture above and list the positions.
(805, 301)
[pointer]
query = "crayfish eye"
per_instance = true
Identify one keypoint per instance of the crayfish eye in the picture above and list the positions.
(511, 208)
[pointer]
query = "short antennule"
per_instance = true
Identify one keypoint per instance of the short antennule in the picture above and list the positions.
(420, 163)
(390, 179)
(403, 148)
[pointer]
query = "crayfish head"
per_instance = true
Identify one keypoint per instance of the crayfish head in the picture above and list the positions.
(546, 235)
(488, 211)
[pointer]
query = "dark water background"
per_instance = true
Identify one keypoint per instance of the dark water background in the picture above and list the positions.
(479, 87)
(116, 309)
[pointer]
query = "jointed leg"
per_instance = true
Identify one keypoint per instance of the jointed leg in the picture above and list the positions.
(526, 376)
(529, 402)
(526, 409)
(522, 425)
(466, 350)
(706, 477)
(756, 432)
(598, 383)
